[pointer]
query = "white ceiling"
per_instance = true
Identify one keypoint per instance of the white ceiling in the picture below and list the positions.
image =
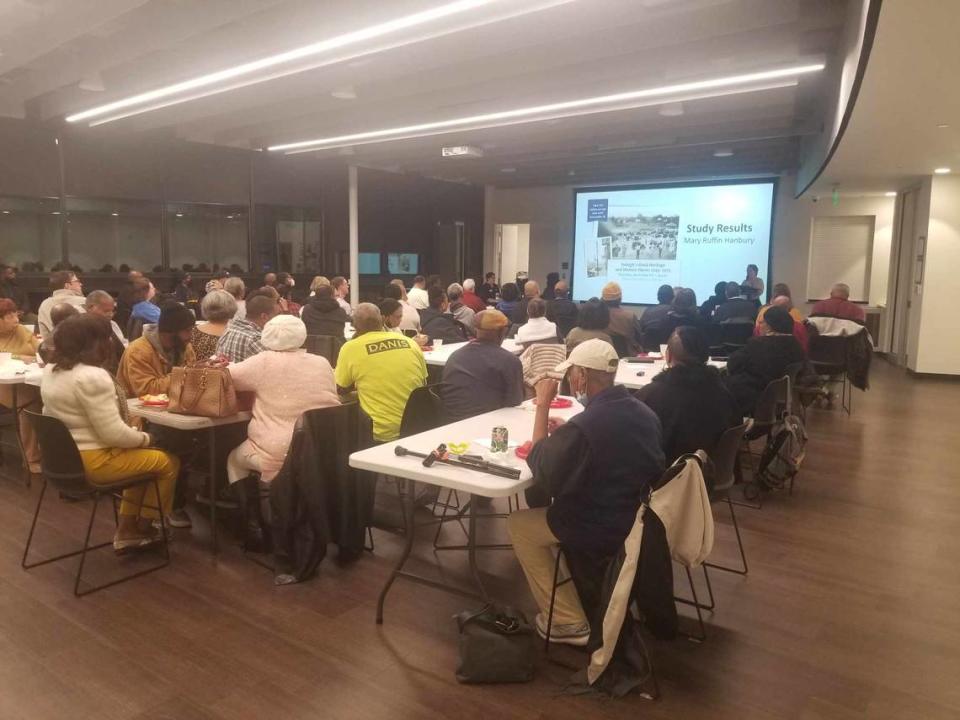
(893, 138)
(57, 54)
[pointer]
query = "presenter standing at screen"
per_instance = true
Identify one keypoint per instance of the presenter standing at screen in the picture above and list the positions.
(752, 286)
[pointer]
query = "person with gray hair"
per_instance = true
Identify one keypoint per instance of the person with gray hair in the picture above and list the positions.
(101, 303)
(218, 308)
(236, 287)
(838, 305)
(461, 313)
(384, 367)
(470, 297)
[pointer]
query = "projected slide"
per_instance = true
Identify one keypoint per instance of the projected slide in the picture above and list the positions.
(682, 235)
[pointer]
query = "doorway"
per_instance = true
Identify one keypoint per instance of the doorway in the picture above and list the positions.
(513, 250)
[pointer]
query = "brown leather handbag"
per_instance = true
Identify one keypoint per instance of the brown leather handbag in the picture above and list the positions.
(202, 390)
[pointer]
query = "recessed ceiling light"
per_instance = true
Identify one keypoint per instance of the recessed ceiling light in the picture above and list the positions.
(6, 212)
(304, 58)
(890, 194)
(942, 171)
(55, 212)
(723, 152)
(508, 170)
(942, 126)
(603, 103)
(672, 109)
(115, 214)
(179, 214)
(571, 173)
(345, 93)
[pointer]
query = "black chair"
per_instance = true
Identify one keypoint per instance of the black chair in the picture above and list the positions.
(134, 328)
(724, 461)
(620, 344)
(327, 346)
(774, 403)
(62, 467)
(735, 333)
(829, 356)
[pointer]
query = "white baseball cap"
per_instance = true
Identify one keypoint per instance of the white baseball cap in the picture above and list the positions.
(593, 354)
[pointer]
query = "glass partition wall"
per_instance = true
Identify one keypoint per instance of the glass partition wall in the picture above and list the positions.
(107, 235)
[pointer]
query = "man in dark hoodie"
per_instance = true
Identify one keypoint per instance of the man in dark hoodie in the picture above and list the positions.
(689, 397)
(436, 322)
(323, 314)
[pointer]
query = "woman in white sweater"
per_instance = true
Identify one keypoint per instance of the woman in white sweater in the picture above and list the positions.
(79, 392)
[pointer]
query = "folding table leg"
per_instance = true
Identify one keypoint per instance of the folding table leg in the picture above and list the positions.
(409, 528)
(212, 491)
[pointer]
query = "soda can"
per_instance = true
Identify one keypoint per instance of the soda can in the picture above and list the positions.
(499, 439)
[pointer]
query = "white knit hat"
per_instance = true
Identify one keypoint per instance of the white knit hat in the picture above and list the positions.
(283, 333)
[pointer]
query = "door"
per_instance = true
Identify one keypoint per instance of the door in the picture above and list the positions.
(513, 251)
(449, 251)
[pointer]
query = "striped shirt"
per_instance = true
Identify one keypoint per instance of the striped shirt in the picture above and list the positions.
(240, 341)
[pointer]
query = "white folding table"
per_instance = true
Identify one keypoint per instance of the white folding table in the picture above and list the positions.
(161, 416)
(410, 470)
(440, 355)
(634, 375)
(16, 373)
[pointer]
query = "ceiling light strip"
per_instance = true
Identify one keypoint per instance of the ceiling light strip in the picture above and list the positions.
(554, 116)
(560, 107)
(304, 57)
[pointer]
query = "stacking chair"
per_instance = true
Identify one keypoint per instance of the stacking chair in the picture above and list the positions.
(774, 403)
(327, 346)
(724, 460)
(62, 467)
(829, 358)
(735, 333)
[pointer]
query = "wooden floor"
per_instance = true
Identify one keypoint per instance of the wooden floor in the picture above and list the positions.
(851, 609)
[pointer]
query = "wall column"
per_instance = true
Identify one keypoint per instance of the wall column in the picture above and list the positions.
(354, 237)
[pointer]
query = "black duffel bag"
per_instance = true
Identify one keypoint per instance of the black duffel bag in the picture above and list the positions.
(496, 646)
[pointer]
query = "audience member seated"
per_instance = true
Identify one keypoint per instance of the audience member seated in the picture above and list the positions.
(592, 323)
(144, 309)
(277, 377)
(80, 393)
(838, 305)
(285, 285)
(102, 304)
(238, 290)
(549, 292)
(270, 280)
(59, 313)
(561, 310)
(461, 313)
(322, 315)
(470, 297)
(21, 343)
(684, 310)
(219, 308)
(799, 328)
(654, 319)
(418, 293)
(781, 290)
(737, 307)
(125, 300)
(10, 289)
(411, 316)
(490, 291)
(590, 476)
(622, 321)
(182, 288)
(689, 397)
(482, 376)
(384, 367)
(216, 282)
(509, 300)
(531, 290)
(718, 298)
(341, 291)
(537, 328)
(763, 359)
(318, 282)
(242, 337)
(68, 289)
(145, 369)
(436, 322)
(392, 313)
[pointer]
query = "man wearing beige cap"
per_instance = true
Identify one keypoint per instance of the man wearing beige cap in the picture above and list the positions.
(622, 322)
(592, 471)
(482, 376)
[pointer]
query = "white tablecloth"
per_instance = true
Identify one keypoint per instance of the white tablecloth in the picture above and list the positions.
(16, 372)
(160, 416)
(627, 373)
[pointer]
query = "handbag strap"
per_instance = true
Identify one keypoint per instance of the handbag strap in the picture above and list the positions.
(505, 619)
(198, 386)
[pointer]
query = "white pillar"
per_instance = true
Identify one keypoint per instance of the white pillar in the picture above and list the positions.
(354, 238)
